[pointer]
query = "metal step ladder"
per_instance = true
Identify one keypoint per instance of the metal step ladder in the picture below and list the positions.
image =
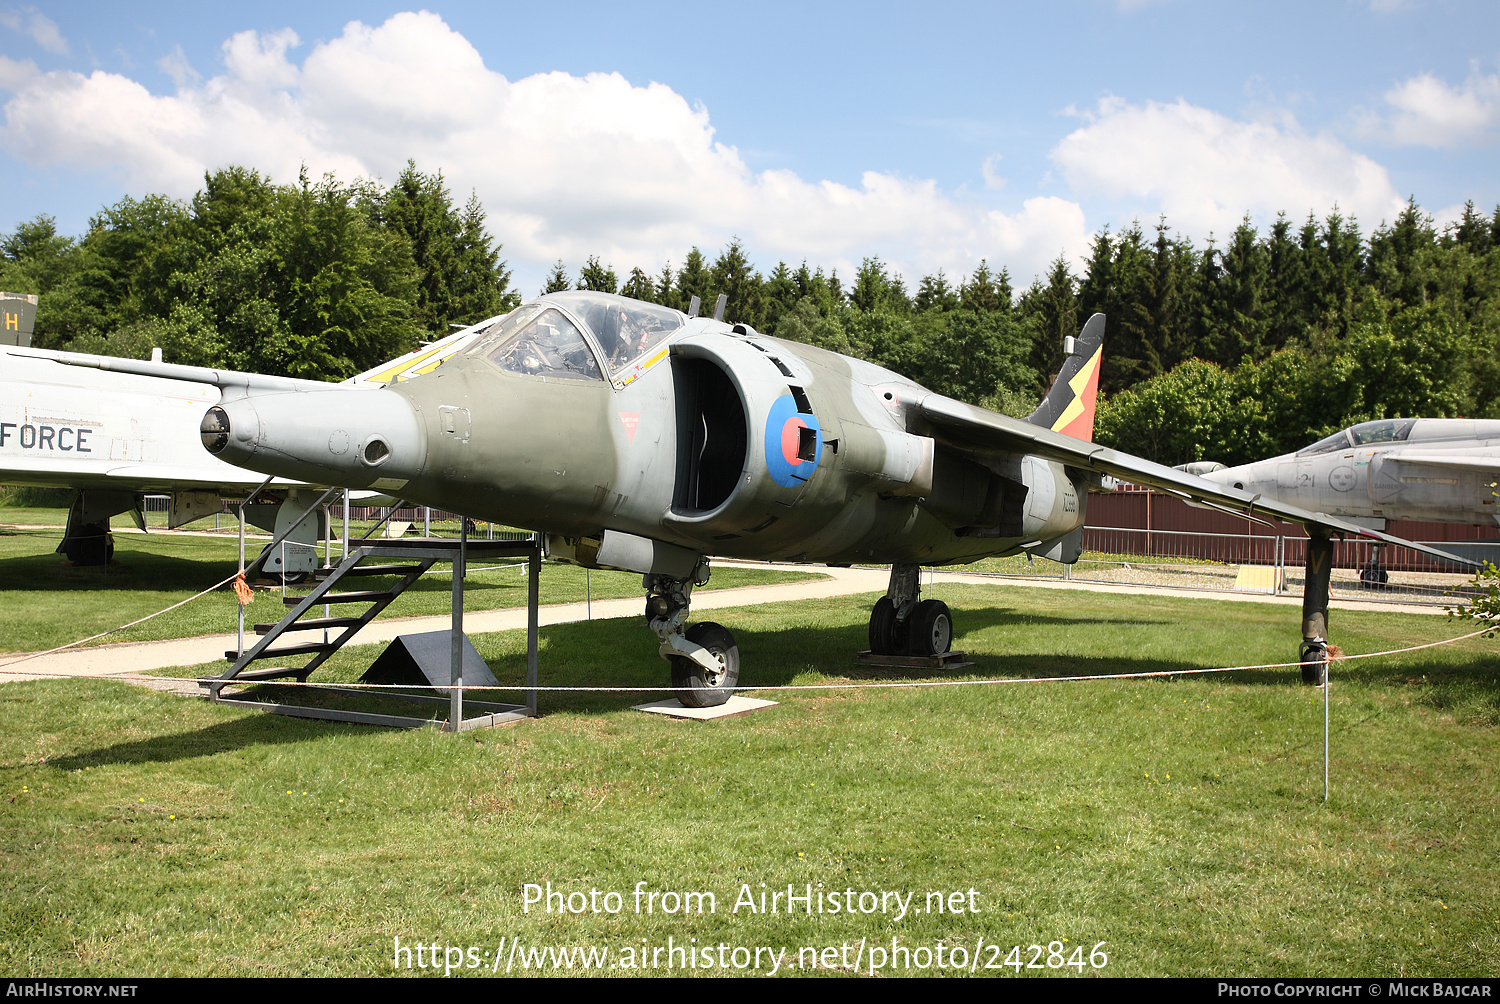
(414, 556)
(296, 620)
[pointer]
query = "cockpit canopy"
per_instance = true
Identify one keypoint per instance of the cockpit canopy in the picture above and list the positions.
(1386, 430)
(567, 335)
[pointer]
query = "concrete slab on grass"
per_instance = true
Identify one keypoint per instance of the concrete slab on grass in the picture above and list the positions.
(736, 705)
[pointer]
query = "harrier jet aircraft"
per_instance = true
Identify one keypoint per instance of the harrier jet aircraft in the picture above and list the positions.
(642, 438)
(115, 436)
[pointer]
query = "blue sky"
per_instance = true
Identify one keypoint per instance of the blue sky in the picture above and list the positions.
(932, 137)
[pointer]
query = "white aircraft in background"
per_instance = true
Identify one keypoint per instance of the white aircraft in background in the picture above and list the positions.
(1442, 470)
(115, 437)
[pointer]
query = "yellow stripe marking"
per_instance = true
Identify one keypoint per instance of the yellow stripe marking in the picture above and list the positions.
(401, 367)
(1077, 384)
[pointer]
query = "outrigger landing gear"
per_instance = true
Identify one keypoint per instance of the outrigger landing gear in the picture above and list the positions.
(1374, 575)
(904, 624)
(1313, 652)
(704, 658)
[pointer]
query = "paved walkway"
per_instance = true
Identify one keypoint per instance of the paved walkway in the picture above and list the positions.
(145, 657)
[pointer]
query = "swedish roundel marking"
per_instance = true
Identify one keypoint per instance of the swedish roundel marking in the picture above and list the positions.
(783, 443)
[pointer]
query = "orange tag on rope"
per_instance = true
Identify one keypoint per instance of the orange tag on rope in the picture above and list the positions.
(242, 590)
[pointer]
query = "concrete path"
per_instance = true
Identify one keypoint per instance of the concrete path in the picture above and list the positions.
(145, 657)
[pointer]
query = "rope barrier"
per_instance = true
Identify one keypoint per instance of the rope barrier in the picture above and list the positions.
(84, 641)
(242, 592)
(913, 684)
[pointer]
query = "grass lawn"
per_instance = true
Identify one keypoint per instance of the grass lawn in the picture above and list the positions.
(1179, 820)
(49, 602)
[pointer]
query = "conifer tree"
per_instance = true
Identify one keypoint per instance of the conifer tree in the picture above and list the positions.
(639, 286)
(693, 280)
(557, 279)
(983, 293)
(935, 294)
(597, 277)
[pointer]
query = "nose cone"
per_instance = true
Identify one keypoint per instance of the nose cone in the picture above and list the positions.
(346, 437)
(1259, 478)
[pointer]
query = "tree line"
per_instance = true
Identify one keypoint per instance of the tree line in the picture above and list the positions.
(1229, 351)
(318, 279)
(1232, 353)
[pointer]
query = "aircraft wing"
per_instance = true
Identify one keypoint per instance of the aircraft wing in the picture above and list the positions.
(223, 379)
(983, 434)
(1462, 460)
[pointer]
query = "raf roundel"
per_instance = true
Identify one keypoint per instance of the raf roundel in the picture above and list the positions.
(794, 443)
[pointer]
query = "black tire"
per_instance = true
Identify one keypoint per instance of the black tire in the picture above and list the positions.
(886, 638)
(92, 545)
(930, 630)
(1314, 659)
(696, 687)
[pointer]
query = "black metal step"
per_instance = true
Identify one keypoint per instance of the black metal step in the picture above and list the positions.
(404, 568)
(251, 675)
(311, 648)
(312, 624)
(358, 596)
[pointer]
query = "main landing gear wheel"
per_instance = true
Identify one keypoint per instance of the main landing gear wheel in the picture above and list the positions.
(1314, 659)
(930, 631)
(887, 635)
(1372, 576)
(89, 545)
(701, 688)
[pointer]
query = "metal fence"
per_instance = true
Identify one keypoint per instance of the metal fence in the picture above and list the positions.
(1255, 563)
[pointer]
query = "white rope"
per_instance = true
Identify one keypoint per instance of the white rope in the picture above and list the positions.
(83, 641)
(799, 686)
(94, 637)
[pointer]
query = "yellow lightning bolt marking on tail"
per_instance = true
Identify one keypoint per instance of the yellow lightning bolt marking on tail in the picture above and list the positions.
(1079, 382)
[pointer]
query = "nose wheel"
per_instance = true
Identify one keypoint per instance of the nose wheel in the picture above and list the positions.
(704, 659)
(699, 686)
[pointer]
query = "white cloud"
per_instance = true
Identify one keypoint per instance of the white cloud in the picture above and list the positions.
(260, 60)
(987, 171)
(175, 65)
(15, 72)
(1205, 170)
(1426, 111)
(42, 29)
(565, 166)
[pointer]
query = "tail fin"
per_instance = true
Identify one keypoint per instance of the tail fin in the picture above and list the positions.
(1069, 406)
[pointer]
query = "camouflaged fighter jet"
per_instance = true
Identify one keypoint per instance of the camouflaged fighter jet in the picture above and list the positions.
(641, 438)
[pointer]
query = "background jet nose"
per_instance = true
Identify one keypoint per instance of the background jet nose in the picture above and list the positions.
(214, 430)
